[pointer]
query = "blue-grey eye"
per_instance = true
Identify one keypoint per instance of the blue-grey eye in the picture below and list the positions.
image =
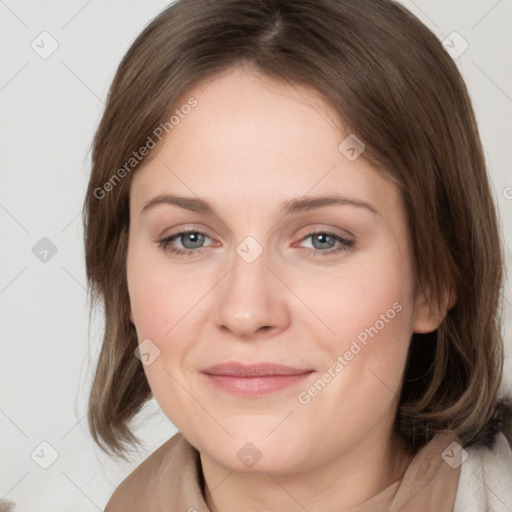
(325, 240)
(196, 239)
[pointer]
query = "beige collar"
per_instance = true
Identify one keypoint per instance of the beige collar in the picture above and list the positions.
(170, 479)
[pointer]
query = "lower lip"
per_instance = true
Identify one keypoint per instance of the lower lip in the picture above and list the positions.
(255, 386)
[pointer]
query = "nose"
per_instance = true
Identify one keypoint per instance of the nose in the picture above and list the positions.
(251, 300)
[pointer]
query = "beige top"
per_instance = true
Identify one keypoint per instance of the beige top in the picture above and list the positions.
(171, 479)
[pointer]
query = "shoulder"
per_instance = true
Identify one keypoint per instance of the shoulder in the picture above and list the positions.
(485, 482)
(149, 478)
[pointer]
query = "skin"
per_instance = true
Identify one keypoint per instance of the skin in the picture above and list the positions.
(250, 144)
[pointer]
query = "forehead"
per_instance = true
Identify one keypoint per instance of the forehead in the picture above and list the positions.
(253, 142)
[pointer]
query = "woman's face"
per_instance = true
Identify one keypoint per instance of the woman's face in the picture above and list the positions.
(268, 275)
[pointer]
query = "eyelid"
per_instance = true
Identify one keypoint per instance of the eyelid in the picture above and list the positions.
(329, 230)
(309, 232)
(180, 231)
(344, 243)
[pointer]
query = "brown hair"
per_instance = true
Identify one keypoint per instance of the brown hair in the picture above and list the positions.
(394, 86)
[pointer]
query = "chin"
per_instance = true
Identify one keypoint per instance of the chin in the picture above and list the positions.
(256, 453)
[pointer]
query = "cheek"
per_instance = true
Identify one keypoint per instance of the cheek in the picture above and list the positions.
(157, 302)
(162, 304)
(157, 295)
(361, 377)
(370, 311)
(371, 299)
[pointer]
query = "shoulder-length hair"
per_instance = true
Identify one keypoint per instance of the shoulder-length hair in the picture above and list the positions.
(393, 85)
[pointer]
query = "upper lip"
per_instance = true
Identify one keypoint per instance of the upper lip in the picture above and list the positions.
(252, 370)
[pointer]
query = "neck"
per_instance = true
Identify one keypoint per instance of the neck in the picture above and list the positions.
(342, 483)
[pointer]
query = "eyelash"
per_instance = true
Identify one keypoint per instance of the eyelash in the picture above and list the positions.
(346, 244)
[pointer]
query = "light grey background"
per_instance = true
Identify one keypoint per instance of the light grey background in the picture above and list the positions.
(49, 111)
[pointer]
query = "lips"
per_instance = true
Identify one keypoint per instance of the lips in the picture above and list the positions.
(253, 370)
(253, 380)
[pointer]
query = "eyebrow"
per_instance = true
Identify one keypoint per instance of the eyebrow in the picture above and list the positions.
(289, 206)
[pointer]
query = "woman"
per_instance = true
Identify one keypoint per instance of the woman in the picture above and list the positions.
(363, 374)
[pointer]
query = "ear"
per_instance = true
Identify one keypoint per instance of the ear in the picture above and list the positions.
(426, 320)
(452, 298)
(130, 314)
